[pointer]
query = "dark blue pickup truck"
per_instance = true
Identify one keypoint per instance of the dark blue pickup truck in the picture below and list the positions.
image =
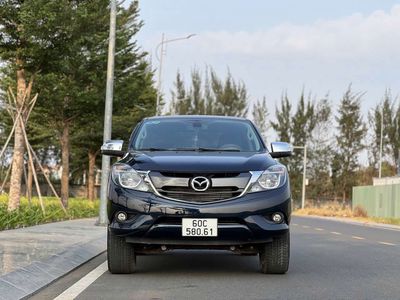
(198, 182)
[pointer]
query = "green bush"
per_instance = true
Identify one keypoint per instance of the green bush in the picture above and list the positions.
(30, 214)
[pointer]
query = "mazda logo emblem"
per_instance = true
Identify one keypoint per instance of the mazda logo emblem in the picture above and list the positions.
(200, 183)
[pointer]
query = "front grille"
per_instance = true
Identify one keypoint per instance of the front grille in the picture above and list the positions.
(212, 194)
(177, 186)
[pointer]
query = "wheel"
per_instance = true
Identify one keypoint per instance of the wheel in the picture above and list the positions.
(121, 255)
(274, 256)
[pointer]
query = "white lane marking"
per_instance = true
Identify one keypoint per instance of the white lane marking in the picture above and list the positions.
(73, 291)
(337, 233)
(357, 237)
(305, 226)
(319, 229)
(294, 224)
(387, 243)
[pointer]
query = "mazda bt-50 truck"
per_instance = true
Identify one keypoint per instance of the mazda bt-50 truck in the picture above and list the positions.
(198, 182)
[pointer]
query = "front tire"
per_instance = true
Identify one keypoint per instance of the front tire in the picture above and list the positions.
(274, 256)
(121, 255)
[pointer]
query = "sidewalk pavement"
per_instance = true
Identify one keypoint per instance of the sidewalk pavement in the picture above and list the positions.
(33, 257)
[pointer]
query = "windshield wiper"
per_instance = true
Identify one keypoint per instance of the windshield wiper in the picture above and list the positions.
(155, 149)
(199, 149)
(204, 149)
(219, 149)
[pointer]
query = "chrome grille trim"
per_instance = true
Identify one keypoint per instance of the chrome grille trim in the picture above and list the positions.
(254, 175)
(160, 181)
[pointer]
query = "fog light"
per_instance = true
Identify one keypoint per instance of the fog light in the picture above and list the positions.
(277, 218)
(121, 216)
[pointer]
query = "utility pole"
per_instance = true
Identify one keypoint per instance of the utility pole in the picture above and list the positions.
(105, 162)
(160, 68)
(160, 58)
(303, 190)
(381, 145)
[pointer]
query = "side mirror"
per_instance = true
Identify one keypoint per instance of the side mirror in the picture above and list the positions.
(112, 148)
(281, 149)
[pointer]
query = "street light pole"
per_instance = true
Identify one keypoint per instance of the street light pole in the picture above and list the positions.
(303, 190)
(105, 162)
(160, 59)
(160, 73)
(381, 145)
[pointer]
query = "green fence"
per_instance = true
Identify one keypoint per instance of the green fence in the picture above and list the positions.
(379, 200)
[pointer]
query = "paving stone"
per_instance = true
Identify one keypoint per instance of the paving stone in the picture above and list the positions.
(33, 257)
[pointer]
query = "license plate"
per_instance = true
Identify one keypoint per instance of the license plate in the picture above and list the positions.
(199, 227)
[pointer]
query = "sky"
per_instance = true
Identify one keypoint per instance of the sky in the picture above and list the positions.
(276, 46)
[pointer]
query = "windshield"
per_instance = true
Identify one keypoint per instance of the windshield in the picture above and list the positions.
(197, 135)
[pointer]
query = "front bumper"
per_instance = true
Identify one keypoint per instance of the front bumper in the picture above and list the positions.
(153, 220)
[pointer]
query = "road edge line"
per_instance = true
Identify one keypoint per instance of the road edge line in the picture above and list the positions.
(82, 284)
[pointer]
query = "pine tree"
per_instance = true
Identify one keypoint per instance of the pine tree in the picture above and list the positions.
(302, 124)
(349, 142)
(321, 152)
(297, 129)
(230, 97)
(391, 139)
(210, 96)
(283, 126)
(260, 115)
(179, 103)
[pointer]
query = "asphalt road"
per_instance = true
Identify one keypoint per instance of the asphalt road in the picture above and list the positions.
(329, 260)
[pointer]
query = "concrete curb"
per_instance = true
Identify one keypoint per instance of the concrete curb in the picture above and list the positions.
(26, 281)
(354, 222)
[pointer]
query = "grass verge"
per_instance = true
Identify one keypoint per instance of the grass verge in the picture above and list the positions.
(30, 214)
(340, 211)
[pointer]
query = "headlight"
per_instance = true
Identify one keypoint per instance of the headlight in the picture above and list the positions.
(127, 177)
(272, 178)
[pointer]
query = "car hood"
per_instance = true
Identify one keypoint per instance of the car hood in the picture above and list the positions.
(174, 161)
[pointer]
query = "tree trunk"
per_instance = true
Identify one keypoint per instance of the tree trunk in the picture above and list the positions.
(29, 183)
(91, 174)
(65, 163)
(19, 147)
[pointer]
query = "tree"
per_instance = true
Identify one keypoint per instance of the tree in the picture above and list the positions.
(349, 140)
(180, 104)
(320, 152)
(80, 28)
(24, 54)
(210, 96)
(391, 133)
(73, 94)
(260, 115)
(295, 129)
(229, 98)
(283, 126)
